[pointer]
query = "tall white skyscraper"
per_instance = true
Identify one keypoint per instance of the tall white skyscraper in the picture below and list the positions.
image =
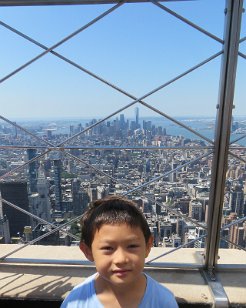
(137, 117)
(43, 191)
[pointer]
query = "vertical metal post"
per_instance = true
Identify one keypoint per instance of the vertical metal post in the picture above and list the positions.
(234, 9)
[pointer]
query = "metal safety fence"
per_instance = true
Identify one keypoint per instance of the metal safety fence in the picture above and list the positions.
(217, 150)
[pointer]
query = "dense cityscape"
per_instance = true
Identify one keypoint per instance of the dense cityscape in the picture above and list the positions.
(168, 176)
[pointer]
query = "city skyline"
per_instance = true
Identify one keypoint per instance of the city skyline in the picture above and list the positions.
(202, 125)
(170, 186)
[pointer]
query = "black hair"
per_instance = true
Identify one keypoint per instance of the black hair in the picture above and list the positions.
(111, 210)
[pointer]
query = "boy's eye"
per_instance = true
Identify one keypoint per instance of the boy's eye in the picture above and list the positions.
(107, 248)
(133, 246)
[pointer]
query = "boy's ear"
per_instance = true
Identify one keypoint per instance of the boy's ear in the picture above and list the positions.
(149, 245)
(86, 251)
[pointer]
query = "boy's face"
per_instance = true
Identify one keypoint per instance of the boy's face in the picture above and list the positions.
(119, 253)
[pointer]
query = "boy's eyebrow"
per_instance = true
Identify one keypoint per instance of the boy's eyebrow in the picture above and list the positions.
(127, 239)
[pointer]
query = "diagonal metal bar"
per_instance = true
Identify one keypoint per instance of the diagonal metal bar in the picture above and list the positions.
(63, 58)
(242, 39)
(25, 164)
(62, 41)
(43, 154)
(41, 237)
(147, 95)
(102, 80)
(230, 242)
(145, 104)
(76, 218)
(171, 210)
(239, 138)
(238, 148)
(154, 180)
(235, 222)
(36, 217)
(242, 55)
(31, 134)
(105, 82)
(201, 237)
(237, 157)
(177, 122)
(178, 213)
(187, 21)
(35, 158)
(169, 172)
(94, 168)
(25, 130)
(177, 248)
(145, 184)
(140, 187)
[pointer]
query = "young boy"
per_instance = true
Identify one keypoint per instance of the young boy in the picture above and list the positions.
(116, 236)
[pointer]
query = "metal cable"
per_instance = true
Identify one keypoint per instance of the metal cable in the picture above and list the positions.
(107, 82)
(148, 94)
(37, 218)
(25, 130)
(41, 237)
(242, 55)
(188, 22)
(177, 248)
(239, 138)
(25, 164)
(171, 210)
(61, 41)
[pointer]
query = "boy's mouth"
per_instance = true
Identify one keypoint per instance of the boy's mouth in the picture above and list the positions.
(121, 271)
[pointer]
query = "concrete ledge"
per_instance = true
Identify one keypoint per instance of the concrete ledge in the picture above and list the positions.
(52, 282)
(49, 282)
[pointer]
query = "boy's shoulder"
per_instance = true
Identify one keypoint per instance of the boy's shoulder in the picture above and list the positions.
(82, 295)
(163, 297)
(84, 285)
(87, 280)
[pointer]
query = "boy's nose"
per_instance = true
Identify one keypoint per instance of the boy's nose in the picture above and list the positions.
(120, 257)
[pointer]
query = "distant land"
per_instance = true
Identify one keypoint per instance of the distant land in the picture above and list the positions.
(204, 125)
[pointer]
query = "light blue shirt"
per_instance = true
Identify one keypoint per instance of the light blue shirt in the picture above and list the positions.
(84, 296)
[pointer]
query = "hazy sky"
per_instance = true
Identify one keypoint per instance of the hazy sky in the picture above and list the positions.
(137, 47)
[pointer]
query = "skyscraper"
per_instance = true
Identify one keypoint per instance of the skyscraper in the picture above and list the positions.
(76, 197)
(4, 230)
(16, 193)
(43, 190)
(32, 170)
(237, 235)
(236, 199)
(137, 117)
(57, 180)
(195, 210)
(173, 175)
(122, 121)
